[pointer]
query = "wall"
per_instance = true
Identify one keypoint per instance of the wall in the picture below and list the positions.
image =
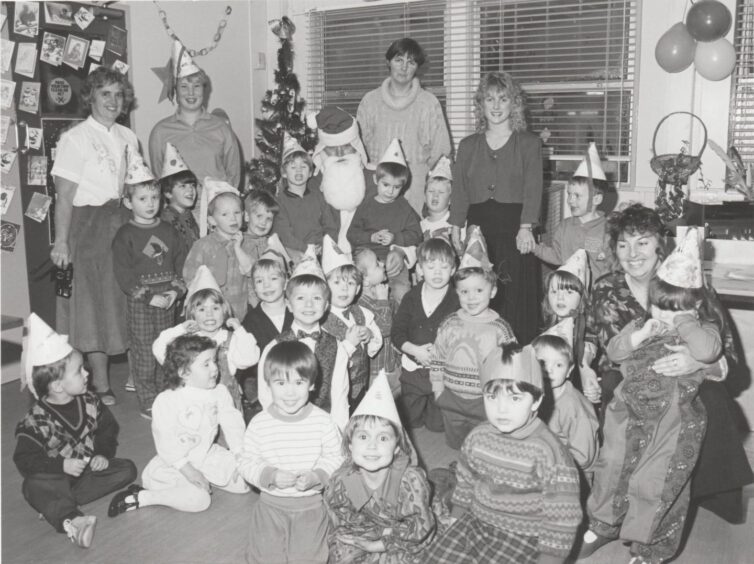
(235, 86)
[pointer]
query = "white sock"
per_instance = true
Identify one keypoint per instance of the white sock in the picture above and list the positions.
(590, 536)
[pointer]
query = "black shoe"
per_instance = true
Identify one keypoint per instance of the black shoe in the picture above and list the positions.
(119, 503)
(591, 542)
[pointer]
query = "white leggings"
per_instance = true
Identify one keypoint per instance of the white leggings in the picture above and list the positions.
(187, 497)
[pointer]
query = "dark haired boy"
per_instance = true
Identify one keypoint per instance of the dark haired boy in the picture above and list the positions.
(179, 188)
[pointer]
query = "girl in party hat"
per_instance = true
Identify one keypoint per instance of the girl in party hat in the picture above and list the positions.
(644, 498)
(378, 501)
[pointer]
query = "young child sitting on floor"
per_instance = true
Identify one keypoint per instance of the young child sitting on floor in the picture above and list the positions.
(660, 420)
(463, 341)
(386, 223)
(178, 185)
(147, 257)
(587, 226)
(209, 315)
(185, 421)
(352, 324)
(307, 297)
(66, 442)
(378, 501)
(569, 415)
(375, 296)
(517, 498)
(437, 202)
(415, 327)
(290, 451)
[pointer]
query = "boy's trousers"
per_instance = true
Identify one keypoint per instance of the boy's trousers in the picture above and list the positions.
(145, 323)
(459, 415)
(417, 402)
(57, 496)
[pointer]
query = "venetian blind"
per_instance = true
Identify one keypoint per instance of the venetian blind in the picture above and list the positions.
(742, 89)
(574, 58)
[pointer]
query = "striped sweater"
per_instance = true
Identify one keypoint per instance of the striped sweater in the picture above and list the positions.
(462, 343)
(306, 441)
(523, 482)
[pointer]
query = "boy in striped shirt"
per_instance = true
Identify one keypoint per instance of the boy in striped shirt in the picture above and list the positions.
(290, 451)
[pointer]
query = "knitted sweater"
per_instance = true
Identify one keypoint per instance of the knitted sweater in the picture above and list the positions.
(571, 235)
(574, 422)
(523, 482)
(303, 220)
(184, 223)
(308, 440)
(463, 342)
(372, 216)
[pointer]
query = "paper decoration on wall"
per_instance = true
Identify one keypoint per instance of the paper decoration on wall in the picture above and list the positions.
(120, 66)
(96, 49)
(93, 67)
(26, 59)
(165, 74)
(4, 125)
(34, 137)
(37, 173)
(38, 207)
(6, 195)
(58, 13)
(52, 48)
(83, 18)
(29, 99)
(7, 158)
(8, 235)
(7, 53)
(75, 51)
(26, 19)
(116, 40)
(7, 88)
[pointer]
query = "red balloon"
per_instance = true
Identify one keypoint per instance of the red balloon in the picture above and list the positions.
(675, 49)
(715, 60)
(708, 20)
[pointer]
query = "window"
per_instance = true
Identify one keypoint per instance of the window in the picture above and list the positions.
(742, 90)
(574, 58)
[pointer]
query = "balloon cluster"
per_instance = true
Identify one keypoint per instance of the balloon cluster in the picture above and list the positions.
(701, 40)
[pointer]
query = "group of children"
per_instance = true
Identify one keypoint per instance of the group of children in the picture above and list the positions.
(352, 355)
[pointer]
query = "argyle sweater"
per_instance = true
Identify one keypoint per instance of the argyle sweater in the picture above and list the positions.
(523, 482)
(48, 434)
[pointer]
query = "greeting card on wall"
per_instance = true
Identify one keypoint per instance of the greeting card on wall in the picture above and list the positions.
(26, 21)
(6, 52)
(116, 40)
(4, 126)
(37, 171)
(96, 49)
(8, 235)
(29, 99)
(74, 54)
(34, 137)
(52, 48)
(83, 18)
(60, 94)
(6, 195)
(58, 13)
(7, 88)
(7, 158)
(38, 207)
(26, 59)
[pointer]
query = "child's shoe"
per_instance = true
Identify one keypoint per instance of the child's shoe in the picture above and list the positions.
(81, 530)
(591, 543)
(127, 500)
(130, 387)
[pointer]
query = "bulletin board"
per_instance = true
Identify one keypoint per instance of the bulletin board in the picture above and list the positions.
(48, 50)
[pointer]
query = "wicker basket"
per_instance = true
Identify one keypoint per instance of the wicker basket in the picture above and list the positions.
(675, 168)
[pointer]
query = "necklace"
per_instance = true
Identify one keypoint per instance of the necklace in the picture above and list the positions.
(204, 50)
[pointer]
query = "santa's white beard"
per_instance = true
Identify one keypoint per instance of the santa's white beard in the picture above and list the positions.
(343, 182)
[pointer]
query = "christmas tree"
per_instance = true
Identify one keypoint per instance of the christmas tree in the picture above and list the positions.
(281, 112)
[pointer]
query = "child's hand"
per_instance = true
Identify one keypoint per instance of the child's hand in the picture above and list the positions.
(233, 323)
(190, 326)
(423, 354)
(284, 479)
(237, 238)
(365, 334)
(371, 546)
(387, 237)
(159, 301)
(307, 481)
(353, 335)
(171, 296)
(74, 466)
(437, 389)
(382, 291)
(651, 327)
(195, 477)
(394, 263)
(377, 237)
(99, 463)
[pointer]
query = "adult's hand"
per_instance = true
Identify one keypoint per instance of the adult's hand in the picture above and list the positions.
(394, 263)
(678, 363)
(60, 254)
(525, 242)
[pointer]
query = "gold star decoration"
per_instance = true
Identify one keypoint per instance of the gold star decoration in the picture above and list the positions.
(165, 74)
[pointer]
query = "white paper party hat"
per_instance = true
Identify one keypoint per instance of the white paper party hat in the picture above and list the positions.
(173, 163)
(332, 256)
(683, 268)
(394, 153)
(379, 401)
(475, 253)
(42, 346)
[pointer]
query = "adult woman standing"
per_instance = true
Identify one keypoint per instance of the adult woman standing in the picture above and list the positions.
(89, 169)
(400, 108)
(497, 185)
(636, 238)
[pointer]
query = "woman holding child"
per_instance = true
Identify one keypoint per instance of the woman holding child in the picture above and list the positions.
(400, 108)
(637, 240)
(89, 170)
(497, 185)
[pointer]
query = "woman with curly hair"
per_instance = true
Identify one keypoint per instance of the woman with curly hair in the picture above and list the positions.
(89, 169)
(497, 185)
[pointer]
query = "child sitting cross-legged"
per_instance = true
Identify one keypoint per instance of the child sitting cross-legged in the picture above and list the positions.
(307, 296)
(463, 341)
(290, 451)
(587, 226)
(178, 185)
(437, 202)
(415, 327)
(378, 501)
(517, 497)
(570, 415)
(386, 223)
(67, 441)
(185, 421)
(352, 324)
(208, 315)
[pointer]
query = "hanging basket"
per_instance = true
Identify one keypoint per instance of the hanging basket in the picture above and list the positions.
(675, 168)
